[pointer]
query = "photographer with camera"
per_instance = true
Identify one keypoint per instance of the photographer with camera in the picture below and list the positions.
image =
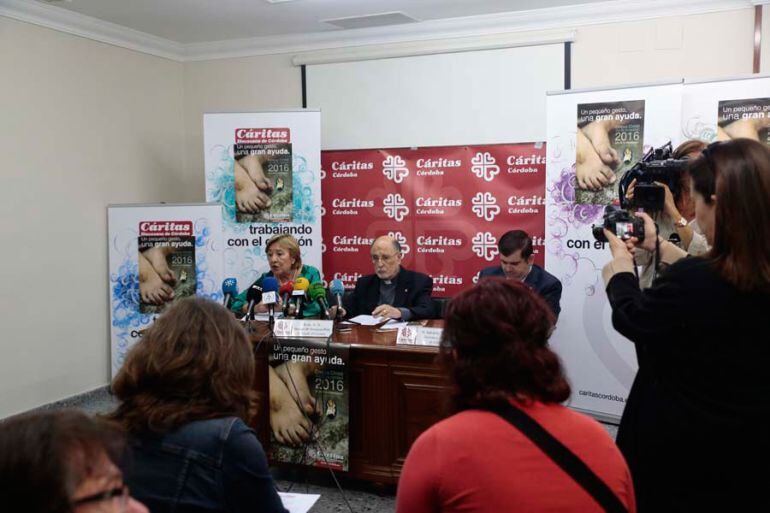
(695, 426)
(664, 186)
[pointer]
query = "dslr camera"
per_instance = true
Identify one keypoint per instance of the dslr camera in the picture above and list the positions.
(655, 166)
(620, 222)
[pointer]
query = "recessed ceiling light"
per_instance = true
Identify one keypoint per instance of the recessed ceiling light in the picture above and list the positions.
(277, 1)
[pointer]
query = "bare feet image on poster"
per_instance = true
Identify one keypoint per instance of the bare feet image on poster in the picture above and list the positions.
(166, 263)
(749, 119)
(610, 139)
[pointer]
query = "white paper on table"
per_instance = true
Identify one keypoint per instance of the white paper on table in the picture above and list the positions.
(298, 502)
(392, 325)
(367, 320)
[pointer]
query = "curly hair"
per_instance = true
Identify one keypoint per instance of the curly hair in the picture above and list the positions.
(45, 456)
(194, 363)
(495, 346)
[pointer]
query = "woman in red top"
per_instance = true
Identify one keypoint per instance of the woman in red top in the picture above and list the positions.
(495, 347)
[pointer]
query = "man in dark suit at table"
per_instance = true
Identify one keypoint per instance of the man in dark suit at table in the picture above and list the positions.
(392, 291)
(517, 263)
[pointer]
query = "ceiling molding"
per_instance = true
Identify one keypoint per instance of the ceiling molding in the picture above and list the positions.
(88, 27)
(434, 30)
(464, 44)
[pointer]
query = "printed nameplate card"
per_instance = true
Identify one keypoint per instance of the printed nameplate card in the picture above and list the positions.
(419, 336)
(302, 328)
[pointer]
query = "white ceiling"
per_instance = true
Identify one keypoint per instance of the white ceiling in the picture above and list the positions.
(198, 21)
(187, 30)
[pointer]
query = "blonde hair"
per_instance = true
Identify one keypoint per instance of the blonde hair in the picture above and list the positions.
(290, 244)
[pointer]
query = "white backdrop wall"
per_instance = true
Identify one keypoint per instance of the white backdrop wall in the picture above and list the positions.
(83, 124)
(491, 96)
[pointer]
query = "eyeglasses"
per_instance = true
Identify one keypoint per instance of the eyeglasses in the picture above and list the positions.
(383, 258)
(120, 492)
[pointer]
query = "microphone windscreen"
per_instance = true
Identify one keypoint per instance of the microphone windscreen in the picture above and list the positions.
(270, 284)
(230, 286)
(317, 291)
(254, 294)
(287, 288)
(301, 284)
(336, 287)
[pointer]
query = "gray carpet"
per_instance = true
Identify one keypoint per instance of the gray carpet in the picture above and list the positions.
(361, 497)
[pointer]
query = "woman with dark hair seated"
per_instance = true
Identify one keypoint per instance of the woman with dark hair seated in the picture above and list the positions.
(696, 426)
(62, 462)
(186, 392)
(495, 345)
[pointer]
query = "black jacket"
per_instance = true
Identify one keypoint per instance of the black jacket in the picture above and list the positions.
(540, 280)
(413, 291)
(696, 424)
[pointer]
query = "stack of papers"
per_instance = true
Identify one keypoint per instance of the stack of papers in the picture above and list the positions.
(368, 320)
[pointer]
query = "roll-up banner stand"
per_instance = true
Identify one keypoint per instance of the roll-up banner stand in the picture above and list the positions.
(590, 131)
(159, 254)
(250, 157)
(727, 108)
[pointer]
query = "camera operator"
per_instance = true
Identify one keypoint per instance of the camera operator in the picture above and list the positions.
(695, 426)
(677, 216)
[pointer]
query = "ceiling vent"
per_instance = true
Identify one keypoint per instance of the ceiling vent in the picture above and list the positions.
(371, 20)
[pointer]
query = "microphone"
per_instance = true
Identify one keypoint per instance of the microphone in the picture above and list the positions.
(318, 293)
(285, 292)
(338, 289)
(254, 295)
(229, 289)
(270, 295)
(300, 290)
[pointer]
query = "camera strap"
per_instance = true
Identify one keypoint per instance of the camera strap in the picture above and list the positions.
(562, 456)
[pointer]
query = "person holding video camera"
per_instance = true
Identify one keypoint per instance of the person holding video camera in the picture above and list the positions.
(677, 215)
(695, 426)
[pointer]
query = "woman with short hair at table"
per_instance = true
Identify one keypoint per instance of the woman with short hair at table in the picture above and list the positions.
(285, 261)
(495, 346)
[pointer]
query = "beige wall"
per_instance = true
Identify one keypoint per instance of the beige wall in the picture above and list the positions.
(247, 84)
(699, 46)
(82, 125)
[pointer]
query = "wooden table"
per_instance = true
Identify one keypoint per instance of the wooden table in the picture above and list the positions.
(396, 393)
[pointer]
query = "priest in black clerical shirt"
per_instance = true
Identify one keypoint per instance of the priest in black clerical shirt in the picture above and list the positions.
(392, 291)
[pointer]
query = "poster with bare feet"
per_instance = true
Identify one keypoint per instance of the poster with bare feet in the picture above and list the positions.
(265, 170)
(262, 170)
(166, 263)
(158, 254)
(744, 118)
(309, 403)
(610, 140)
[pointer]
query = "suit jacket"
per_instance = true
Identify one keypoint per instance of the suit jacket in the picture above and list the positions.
(540, 280)
(413, 291)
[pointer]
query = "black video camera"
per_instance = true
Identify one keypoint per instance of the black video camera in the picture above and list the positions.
(655, 166)
(620, 222)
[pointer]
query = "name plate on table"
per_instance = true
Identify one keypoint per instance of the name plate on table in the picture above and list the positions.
(419, 336)
(303, 328)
